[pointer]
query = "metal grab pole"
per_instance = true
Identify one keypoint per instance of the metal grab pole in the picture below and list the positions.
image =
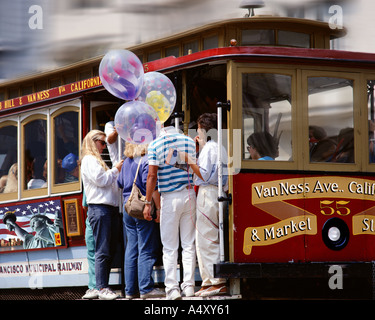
(220, 180)
(221, 197)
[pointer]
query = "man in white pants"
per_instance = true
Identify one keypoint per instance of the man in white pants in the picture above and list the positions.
(177, 216)
(207, 208)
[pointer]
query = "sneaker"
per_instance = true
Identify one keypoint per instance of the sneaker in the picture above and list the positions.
(107, 294)
(132, 296)
(91, 294)
(215, 291)
(188, 291)
(201, 290)
(174, 295)
(154, 293)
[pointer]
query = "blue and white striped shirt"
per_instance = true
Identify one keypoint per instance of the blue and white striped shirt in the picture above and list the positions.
(171, 178)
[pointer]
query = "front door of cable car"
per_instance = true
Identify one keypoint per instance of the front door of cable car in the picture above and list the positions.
(264, 110)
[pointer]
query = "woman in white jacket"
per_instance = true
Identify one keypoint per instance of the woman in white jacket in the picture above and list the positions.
(102, 193)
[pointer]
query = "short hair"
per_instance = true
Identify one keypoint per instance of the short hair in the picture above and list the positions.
(207, 121)
(264, 143)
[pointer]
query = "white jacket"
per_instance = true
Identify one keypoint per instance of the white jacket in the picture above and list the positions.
(100, 185)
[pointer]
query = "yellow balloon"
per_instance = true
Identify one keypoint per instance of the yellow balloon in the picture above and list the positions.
(160, 104)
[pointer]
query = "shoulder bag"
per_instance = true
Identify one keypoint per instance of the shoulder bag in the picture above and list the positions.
(136, 202)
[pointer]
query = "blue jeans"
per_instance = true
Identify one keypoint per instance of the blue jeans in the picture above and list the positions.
(140, 254)
(104, 221)
(90, 245)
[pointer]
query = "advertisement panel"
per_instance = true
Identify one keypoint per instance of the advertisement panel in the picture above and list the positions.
(299, 218)
(36, 224)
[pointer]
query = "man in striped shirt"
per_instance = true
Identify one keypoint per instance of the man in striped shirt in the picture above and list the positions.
(177, 217)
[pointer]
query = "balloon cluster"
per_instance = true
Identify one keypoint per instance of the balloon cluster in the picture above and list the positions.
(151, 96)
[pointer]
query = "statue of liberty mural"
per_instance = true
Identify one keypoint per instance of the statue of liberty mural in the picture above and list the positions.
(47, 232)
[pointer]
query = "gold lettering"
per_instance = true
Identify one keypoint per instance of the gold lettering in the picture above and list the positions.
(9, 104)
(31, 98)
(61, 89)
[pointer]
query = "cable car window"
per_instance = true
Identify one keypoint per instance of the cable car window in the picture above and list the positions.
(293, 39)
(330, 115)
(371, 119)
(210, 42)
(35, 154)
(266, 112)
(8, 159)
(66, 147)
(193, 46)
(257, 37)
(154, 55)
(172, 51)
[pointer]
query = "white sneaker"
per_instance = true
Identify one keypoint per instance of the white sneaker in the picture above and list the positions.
(154, 293)
(188, 291)
(107, 294)
(174, 295)
(91, 294)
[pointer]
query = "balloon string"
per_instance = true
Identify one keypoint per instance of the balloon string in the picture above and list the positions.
(192, 219)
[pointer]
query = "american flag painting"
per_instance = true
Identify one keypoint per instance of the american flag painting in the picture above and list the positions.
(31, 225)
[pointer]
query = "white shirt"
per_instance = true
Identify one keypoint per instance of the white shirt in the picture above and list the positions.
(100, 185)
(208, 165)
(113, 147)
(36, 184)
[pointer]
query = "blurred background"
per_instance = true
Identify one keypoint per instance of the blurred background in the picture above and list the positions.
(40, 35)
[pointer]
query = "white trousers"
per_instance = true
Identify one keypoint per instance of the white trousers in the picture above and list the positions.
(207, 234)
(177, 220)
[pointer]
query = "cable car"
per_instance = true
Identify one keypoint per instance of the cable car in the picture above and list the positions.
(305, 110)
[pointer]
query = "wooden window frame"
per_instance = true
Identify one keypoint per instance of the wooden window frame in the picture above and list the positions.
(11, 195)
(234, 85)
(40, 192)
(70, 186)
(304, 127)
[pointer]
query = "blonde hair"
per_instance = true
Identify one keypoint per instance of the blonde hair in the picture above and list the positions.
(89, 146)
(135, 150)
(12, 182)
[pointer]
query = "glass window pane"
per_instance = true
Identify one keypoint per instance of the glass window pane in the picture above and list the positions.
(255, 37)
(193, 46)
(8, 159)
(66, 147)
(331, 133)
(172, 51)
(294, 39)
(371, 119)
(267, 120)
(154, 56)
(35, 154)
(210, 42)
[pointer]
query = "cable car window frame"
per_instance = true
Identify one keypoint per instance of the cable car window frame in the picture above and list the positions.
(235, 95)
(11, 195)
(370, 166)
(69, 186)
(358, 164)
(27, 119)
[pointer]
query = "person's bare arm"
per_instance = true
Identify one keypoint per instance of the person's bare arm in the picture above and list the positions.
(111, 138)
(150, 188)
(191, 163)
